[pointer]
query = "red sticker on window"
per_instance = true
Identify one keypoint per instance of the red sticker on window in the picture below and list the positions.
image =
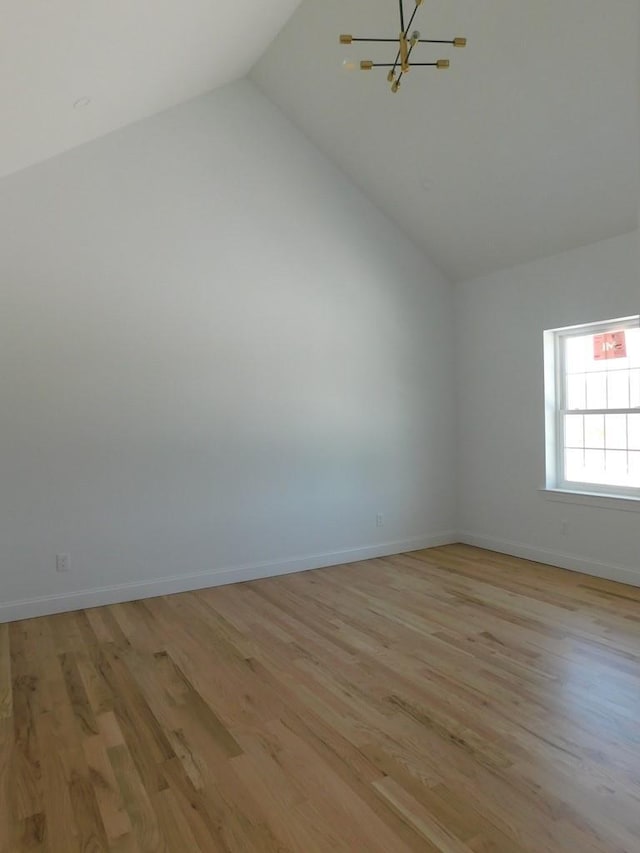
(610, 345)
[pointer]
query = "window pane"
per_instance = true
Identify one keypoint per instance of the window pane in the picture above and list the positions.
(590, 362)
(594, 431)
(597, 391)
(618, 390)
(634, 432)
(594, 467)
(577, 391)
(616, 432)
(634, 383)
(576, 353)
(574, 431)
(616, 465)
(633, 347)
(634, 469)
(574, 465)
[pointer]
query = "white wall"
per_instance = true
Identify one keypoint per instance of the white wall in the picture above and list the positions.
(500, 323)
(216, 356)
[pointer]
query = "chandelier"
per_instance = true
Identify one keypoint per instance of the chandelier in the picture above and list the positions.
(406, 44)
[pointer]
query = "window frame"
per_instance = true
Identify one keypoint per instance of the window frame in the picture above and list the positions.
(556, 435)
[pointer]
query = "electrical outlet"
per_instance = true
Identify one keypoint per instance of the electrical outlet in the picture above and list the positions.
(379, 520)
(62, 562)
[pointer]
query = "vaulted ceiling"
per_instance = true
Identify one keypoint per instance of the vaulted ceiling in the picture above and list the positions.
(131, 58)
(526, 146)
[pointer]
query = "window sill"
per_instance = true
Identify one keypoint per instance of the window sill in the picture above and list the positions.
(593, 499)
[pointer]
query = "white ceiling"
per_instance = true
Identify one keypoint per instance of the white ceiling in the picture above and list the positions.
(528, 144)
(133, 58)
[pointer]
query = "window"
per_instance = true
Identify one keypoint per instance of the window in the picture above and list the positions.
(593, 408)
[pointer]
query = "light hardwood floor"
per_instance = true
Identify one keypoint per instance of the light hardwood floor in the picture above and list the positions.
(452, 699)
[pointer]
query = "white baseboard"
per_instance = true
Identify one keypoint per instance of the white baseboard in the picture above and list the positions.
(46, 605)
(609, 571)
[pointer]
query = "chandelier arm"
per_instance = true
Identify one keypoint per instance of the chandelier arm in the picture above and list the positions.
(413, 65)
(419, 41)
(402, 15)
(395, 64)
(406, 31)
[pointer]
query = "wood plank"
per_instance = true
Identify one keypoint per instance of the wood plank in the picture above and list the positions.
(26, 791)
(436, 835)
(107, 793)
(6, 756)
(136, 799)
(6, 690)
(62, 831)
